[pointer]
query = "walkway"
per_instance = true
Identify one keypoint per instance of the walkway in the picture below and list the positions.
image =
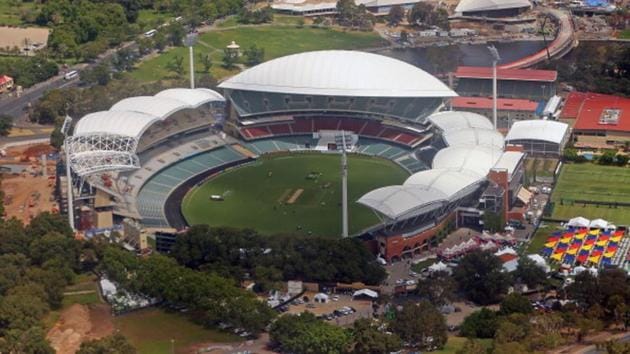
(564, 42)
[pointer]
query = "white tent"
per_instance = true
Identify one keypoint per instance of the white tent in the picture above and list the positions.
(598, 224)
(506, 250)
(366, 292)
(438, 267)
(510, 265)
(579, 222)
(321, 298)
(540, 261)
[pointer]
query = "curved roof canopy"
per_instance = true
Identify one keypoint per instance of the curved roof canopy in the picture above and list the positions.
(478, 160)
(339, 73)
(450, 183)
(107, 140)
(489, 5)
(455, 120)
(474, 137)
(398, 202)
(543, 130)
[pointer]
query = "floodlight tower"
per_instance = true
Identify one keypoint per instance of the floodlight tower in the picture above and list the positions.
(64, 130)
(190, 41)
(495, 60)
(344, 186)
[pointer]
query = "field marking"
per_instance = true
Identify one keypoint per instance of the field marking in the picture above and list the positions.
(295, 196)
(284, 195)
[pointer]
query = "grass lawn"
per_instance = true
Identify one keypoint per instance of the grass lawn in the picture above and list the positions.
(540, 167)
(256, 200)
(456, 343)
(149, 19)
(540, 237)
(277, 40)
(592, 182)
(11, 11)
(625, 34)
(151, 331)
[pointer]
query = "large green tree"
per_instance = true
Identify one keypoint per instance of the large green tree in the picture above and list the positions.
(114, 344)
(421, 325)
(367, 339)
(306, 334)
(481, 278)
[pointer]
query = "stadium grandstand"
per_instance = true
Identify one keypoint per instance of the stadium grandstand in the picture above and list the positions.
(530, 84)
(474, 173)
(492, 8)
(599, 121)
(145, 153)
(327, 7)
(539, 137)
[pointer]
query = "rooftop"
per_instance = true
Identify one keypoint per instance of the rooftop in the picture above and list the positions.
(4, 79)
(482, 72)
(507, 104)
(488, 5)
(538, 129)
(594, 111)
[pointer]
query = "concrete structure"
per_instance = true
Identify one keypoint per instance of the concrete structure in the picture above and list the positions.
(512, 83)
(329, 7)
(539, 137)
(508, 110)
(492, 8)
(599, 121)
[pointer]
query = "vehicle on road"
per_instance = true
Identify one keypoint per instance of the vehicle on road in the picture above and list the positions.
(71, 75)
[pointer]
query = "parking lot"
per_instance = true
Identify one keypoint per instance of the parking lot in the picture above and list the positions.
(340, 309)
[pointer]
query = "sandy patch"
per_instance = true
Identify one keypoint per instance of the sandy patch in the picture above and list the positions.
(12, 36)
(295, 196)
(78, 324)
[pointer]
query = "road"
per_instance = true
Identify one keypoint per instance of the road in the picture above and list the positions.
(562, 44)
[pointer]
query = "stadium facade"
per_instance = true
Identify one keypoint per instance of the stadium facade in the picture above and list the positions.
(142, 156)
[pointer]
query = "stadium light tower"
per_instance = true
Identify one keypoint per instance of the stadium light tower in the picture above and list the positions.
(64, 130)
(190, 41)
(344, 186)
(495, 60)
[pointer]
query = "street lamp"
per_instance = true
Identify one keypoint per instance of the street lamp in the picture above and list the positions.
(190, 41)
(495, 60)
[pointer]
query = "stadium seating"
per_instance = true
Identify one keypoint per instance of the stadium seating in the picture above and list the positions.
(153, 194)
(532, 90)
(380, 148)
(413, 165)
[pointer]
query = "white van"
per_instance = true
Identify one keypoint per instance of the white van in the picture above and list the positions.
(150, 33)
(71, 75)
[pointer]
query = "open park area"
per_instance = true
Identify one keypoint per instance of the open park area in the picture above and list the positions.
(281, 38)
(592, 183)
(293, 193)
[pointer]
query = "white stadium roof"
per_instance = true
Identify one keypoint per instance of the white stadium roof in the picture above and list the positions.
(403, 201)
(449, 182)
(455, 120)
(478, 160)
(543, 130)
(474, 137)
(489, 5)
(339, 73)
(107, 140)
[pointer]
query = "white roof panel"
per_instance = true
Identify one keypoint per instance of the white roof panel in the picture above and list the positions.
(538, 129)
(123, 123)
(339, 73)
(397, 201)
(455, 120)
(478, 160)
(449, 182)
(161, 107)
(486, 5)
(509, 160)
(474, 137)
(193, 97)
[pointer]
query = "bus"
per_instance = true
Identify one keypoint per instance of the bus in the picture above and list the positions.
(150, 33)
(71, 75)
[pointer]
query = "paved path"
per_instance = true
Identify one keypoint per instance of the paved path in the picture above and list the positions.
(564, 42)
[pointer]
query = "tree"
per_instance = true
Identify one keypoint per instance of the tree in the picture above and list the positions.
(492, 221)
(32, 340)
(175, 33)
(160, 41)
(480, 276)
(114, 344)
(472, 346)
(206, 61)
(229, 58)
(254, 55)
(607, 158)
(425, 15)
(307, 334)
(368, 339)
(176, 65)
(515, 303)
(396, 15)
(480, 324)
(145, 45)
(530, 273)
(6, 123)
(100, 75)
(422, 325)
(439, 288)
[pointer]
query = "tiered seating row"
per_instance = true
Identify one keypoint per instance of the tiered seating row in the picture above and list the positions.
(310, 125)
(153, 195)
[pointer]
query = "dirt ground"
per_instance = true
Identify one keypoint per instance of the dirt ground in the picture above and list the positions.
(13, 36)
(28, 193)
(456, 318)
(80, 323)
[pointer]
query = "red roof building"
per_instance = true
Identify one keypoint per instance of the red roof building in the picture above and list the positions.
(482, 72)
(6, 83)
(509, 110)
(599, 121)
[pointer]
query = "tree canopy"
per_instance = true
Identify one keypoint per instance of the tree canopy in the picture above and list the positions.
(480, 276)
(306, 334)
(421, 325)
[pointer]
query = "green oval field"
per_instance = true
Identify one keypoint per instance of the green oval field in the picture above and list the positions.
(294, 193)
